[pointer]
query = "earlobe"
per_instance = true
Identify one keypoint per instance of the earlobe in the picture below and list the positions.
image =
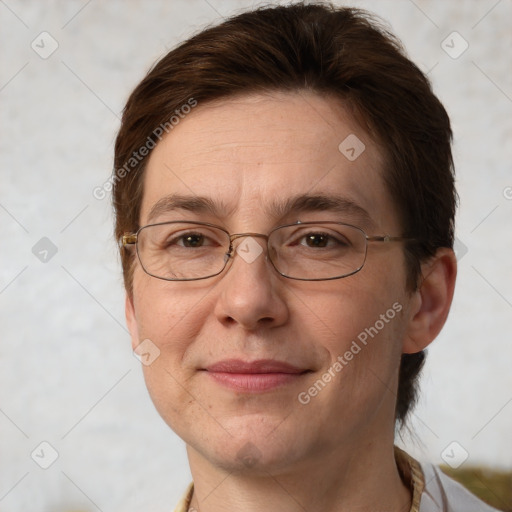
(432, 301)
(131, 320)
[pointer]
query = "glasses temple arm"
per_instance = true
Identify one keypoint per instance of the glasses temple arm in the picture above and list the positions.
(128, 239)
(387, 238)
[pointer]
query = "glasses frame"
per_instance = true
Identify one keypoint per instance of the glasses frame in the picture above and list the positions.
(131, 238)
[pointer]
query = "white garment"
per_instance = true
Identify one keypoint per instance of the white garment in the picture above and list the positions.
(442, 494)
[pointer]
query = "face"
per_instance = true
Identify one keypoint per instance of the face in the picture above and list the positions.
(341, 339)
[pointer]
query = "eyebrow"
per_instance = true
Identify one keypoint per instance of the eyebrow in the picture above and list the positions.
(195, 204)
(303, 203)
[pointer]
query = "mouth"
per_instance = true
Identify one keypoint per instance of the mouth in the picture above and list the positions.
(254, 376)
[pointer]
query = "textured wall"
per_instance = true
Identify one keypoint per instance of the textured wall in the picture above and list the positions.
(67, 374)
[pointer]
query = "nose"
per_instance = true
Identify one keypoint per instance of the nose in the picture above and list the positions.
(251, 291)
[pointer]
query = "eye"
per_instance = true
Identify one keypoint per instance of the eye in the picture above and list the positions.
(190, 239)
(323, 240)
(317, 239)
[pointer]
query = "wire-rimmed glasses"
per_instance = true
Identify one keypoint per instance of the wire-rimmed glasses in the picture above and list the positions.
(306, 251)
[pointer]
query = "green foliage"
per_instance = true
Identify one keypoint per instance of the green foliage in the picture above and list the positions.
(493, 487)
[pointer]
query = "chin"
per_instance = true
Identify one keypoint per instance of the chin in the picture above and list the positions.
(250, 456)
(256, 447)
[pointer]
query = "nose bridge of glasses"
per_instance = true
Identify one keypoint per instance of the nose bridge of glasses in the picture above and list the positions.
(236, 236)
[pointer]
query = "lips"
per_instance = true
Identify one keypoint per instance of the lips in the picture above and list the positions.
(254, 376)
(260, 366)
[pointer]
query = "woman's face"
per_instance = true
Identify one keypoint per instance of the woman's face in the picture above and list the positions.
(246, 155)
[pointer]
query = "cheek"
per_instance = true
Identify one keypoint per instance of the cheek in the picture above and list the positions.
(167, 313)
(362, 348)
(346, 308)
(171, 316)
(360, 323)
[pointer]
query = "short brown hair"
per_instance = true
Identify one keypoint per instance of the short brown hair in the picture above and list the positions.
(342, 52)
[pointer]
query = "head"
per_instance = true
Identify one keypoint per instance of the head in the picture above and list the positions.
(251, 114)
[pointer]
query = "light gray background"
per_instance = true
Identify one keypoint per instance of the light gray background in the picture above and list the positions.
(67, 374)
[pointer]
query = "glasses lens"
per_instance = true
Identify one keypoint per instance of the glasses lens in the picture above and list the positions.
(182, 251)
(317, 251)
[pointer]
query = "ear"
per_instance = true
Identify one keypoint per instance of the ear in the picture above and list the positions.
(131, 320)
(431, 301)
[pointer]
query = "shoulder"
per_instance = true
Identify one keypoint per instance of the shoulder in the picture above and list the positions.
(442, 494)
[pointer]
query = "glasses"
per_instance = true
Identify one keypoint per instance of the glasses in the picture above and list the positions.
(307, 251)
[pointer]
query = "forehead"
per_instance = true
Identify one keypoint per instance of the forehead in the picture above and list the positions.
(252, 156)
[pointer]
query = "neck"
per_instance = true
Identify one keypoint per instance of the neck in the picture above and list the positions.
(359, 477)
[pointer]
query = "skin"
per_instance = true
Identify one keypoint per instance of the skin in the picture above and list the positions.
(336, 452)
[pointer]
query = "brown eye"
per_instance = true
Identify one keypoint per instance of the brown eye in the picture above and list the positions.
(317, 240)
(323, 240)
(193, 240)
